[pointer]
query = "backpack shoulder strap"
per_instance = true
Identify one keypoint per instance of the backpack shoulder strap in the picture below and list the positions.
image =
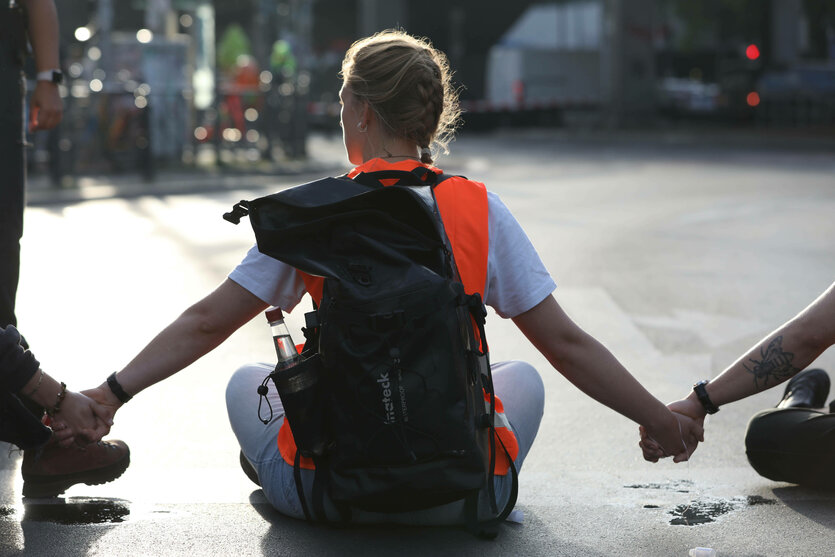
(420, 176)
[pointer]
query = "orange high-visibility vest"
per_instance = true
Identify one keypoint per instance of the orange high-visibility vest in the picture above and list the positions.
(463, 207)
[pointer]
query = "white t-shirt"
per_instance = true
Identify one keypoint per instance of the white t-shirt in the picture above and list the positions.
(517, 280)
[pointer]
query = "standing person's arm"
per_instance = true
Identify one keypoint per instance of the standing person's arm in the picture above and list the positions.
(47, 109)
(595, 371)
(773, 360)
(72, 414)
(21, 373)
(199, 329)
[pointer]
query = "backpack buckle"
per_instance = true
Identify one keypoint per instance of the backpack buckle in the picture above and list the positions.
(238, 211)
(311, 320)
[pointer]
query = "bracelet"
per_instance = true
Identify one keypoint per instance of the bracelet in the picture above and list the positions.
(57, 406)
(38, 386)
(117, 388)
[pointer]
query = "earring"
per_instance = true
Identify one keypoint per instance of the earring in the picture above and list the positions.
(362, 127)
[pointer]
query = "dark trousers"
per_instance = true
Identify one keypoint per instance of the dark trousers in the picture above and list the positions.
(795, 445)
(12, 180)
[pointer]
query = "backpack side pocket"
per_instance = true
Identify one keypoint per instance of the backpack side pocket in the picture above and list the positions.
(304, 396)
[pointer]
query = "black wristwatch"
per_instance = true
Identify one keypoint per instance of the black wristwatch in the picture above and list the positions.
(52, 76)
(701, 392)
(117, 388)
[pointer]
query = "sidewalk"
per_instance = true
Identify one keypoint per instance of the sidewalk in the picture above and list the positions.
(326, 156)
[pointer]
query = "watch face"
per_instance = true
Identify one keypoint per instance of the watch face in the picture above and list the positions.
(57, 77)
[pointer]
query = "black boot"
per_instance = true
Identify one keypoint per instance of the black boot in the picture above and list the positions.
(807, 389)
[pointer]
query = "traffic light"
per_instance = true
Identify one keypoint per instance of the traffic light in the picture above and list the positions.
(752, 52)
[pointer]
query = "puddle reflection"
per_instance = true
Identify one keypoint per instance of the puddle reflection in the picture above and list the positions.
(76, 510)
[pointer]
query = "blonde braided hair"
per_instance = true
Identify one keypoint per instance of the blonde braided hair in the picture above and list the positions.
(408, 84)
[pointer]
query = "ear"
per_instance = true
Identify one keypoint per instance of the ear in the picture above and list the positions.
(365, 114)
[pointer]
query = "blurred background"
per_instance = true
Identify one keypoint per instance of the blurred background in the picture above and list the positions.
(244, 84)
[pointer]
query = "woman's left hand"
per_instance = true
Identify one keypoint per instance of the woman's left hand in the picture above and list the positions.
(677, 438)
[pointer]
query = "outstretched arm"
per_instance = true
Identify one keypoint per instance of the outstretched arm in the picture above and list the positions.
(595, 371)
(200, 329)
(780, 355)
(21, 373)
(775, 359)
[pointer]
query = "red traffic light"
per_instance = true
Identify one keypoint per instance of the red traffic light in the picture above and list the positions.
(752, 52)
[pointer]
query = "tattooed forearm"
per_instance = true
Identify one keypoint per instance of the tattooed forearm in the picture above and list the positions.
(776, 364)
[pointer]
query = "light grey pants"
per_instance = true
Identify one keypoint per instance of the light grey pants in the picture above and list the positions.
(517, 384)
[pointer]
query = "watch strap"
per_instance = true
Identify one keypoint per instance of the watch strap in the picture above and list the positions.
(701, 393)
(52, 76)
(117, 388)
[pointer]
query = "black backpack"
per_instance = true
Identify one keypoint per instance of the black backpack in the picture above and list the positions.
(389, 396)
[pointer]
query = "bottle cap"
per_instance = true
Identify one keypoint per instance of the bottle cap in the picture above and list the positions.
(274, 314)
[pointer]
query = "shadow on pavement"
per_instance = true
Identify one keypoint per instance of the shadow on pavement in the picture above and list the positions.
(814, 504)
(40, 526)
(292, 536)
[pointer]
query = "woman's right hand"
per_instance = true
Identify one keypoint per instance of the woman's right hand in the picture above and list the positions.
(106, 399)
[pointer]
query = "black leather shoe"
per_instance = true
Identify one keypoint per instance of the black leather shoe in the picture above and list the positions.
(807, 389)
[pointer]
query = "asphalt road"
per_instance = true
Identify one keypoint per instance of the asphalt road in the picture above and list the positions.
(677, 253)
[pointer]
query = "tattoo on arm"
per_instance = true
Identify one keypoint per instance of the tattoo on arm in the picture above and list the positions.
(776, 364)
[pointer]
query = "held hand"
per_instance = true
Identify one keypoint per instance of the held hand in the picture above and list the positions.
(686, 407)
(62, 434)
(46, 109)
(691, 408)
(107, 401)
(652, 450)
(678, 438)
(80, 418)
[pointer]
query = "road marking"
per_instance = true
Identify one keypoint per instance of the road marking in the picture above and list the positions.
(713, 329)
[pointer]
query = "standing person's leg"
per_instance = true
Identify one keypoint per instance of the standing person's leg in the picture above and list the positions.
(795, 445)
(12, 181)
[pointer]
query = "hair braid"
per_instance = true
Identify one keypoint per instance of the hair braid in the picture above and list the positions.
(431, 94)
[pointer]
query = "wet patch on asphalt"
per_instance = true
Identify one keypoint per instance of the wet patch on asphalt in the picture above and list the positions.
(680, 486)
(77, 511)
(707, 510)
(703, 510)
(71, 511)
